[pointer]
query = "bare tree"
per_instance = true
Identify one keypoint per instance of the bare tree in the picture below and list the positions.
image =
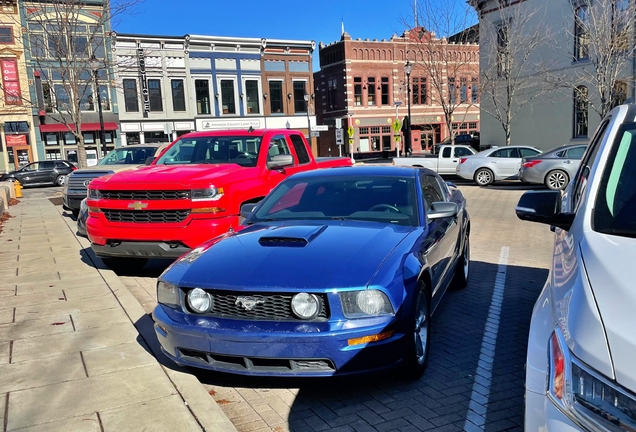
(604, 49)
(443, 50)
(69, 46)
(512, 74)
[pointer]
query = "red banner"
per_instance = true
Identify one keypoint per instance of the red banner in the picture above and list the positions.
(16, 140)
(11, 82)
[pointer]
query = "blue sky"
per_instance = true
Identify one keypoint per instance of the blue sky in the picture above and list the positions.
(317, 20)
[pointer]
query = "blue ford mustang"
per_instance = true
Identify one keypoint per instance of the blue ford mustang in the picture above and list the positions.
(336, 271)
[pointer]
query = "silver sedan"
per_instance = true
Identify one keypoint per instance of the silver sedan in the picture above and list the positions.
(494, 164)
(553, 168)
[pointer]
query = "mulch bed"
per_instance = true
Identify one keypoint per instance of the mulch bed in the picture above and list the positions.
(4, 217)
(13, 201)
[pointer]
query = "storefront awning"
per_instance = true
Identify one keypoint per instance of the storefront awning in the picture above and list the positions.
(57, 127)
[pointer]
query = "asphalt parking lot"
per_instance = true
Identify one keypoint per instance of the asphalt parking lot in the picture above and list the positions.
(475, 376)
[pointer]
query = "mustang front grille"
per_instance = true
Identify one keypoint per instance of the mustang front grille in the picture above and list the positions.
(259, 306)
(146, 195)
(146, 216)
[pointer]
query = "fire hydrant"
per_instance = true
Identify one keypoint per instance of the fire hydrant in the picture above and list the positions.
(18, 189)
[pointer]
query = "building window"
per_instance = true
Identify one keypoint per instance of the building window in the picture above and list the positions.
(61, 98)
(298, 66)
(133, 138)
(86, 101)
(252, 98)
(178, 95)
(620, 23)
(419, 91)
(154, 94)
(357, 91)
(385, 90)
(581, 33)
(274, 65)
(131, 100)
(502, 51)
(89, 138)
(580, 112)
(57, 46)
(300, 105)
(156, 137)
(332, 93)
(463, 90)
(452, 91)
(474, 91)
(228, 102)
(620, 93)
(97, 46)
(202, 90)
(50, 139)
(104, 96)
(276, 96)
(6, 35)
(37, 45)
(371, 91)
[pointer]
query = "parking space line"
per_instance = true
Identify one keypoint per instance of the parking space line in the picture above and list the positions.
(476, 417)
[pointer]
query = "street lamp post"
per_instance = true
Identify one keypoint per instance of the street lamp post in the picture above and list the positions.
(408, 67)
(397, 143)
(95, 65)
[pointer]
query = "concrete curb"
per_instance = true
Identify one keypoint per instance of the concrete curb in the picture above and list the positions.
(202, 406)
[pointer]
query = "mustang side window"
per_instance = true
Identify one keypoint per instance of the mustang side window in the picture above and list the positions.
(431, 191)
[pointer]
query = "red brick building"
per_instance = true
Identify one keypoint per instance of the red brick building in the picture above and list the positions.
(360, 81)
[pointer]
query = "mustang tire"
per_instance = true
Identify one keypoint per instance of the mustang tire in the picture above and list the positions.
(460, 279)
(416, 356)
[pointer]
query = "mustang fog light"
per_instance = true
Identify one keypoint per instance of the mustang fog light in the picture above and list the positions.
(199, 300)
(305, 306)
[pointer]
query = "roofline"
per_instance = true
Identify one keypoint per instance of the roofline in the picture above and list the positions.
(143, 36)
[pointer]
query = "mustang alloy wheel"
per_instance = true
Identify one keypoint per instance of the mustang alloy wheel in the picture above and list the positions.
(557, 180)
(417, 351)
(484, 177)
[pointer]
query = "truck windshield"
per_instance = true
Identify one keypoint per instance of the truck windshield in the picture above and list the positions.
(240, 150)
(616, 201)
(128, 156)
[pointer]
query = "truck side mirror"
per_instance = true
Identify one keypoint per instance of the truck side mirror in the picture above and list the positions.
(280, 161)
(149, 160)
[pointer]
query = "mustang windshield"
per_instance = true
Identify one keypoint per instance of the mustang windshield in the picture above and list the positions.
(241, 150)
(615, 209)
(370, 198)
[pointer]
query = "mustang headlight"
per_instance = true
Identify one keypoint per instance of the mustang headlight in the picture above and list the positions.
(199, 300)
(94, 194)
(359, 304)
(305, 306)
(208, 194)
(167, 294)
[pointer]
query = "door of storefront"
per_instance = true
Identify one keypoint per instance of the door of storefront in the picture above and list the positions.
(22, 156)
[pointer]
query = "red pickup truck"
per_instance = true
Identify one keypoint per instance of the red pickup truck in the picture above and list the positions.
(192, 192)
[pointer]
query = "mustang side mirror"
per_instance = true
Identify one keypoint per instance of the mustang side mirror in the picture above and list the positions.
(149, 160)
(544, 207)
(247, 209)
(280, 161)
(442, 210)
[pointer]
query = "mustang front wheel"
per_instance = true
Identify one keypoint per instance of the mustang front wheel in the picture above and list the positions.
(417, 350)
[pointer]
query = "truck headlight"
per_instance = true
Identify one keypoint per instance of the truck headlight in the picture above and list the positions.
(365, 303)
(208, 194)
(94, 194)
(305, 306)
(167, 294)
(199, 300)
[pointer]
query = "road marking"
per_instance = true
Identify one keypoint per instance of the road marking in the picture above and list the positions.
(476, 417)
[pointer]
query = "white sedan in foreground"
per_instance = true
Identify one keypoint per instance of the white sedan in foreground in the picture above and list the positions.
(494, 164)
(581, 364)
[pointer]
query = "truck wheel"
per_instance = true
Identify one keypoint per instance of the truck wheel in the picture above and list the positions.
(75, 212)
(484, 177)
(557, 180)
(125, 265)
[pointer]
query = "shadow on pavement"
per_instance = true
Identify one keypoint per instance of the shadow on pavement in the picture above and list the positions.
(440, 399)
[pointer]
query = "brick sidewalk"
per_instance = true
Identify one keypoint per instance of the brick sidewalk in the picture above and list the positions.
(77, 351)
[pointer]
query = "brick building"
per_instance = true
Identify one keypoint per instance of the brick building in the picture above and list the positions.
(363, 83)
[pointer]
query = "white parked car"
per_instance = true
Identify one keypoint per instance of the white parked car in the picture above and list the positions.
(499, 163)
(581, 364)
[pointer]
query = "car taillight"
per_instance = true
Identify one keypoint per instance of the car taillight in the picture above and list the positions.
(557, 381)
(530, 164)
(462, 160)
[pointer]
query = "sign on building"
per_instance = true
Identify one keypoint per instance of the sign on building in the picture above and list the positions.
(145, 97)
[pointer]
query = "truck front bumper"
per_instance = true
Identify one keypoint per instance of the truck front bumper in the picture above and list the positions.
(73, 202)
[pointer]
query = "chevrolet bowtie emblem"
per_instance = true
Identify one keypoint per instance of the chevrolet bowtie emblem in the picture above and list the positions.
(137, 205)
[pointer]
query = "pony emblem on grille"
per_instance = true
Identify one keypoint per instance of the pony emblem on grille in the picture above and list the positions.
(248, 303)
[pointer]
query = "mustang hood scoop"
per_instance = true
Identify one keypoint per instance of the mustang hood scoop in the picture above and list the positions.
(291, 236)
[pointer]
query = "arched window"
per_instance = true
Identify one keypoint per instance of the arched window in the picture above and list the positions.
(581, 33)
(581, 98)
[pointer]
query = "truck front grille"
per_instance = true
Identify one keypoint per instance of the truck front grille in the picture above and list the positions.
(270, 306)
(146, 195)
(77, 182)
(146, 216)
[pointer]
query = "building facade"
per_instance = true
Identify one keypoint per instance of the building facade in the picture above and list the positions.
(363, 84)
(169, 85)
(69, 62)
(17, 132)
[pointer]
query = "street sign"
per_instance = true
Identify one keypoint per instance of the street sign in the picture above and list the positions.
(339, 137)
(397, 126)
(350, 131)
(314, 134)
(338, 123)
(321, 128)
(350, 141)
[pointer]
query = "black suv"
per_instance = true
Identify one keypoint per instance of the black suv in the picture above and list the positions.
(41, 173)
